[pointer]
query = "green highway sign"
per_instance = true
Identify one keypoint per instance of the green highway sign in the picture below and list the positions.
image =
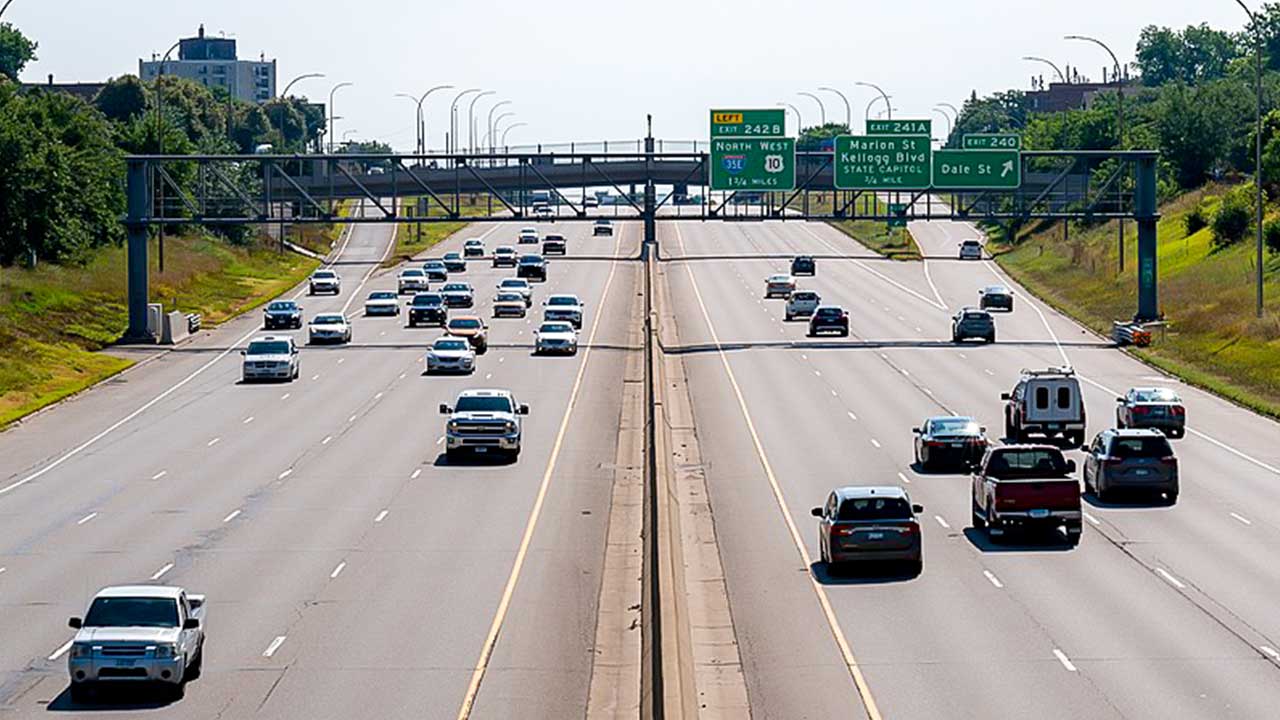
(748, 123)
(977, 169)
(899, 213)
(900, 127)
(753, 164)
(882, 162)
(992, 141)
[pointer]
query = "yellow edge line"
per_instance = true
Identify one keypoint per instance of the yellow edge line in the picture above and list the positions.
(864, 691)
(486, 652)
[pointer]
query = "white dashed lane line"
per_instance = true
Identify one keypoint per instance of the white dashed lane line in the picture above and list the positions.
(285, 474)
(338, 570)
(247, 420)
(231, 516)
(160, 474)
(87, 518)
(852, 416)
(274, 646)
(1242, 518)
(942, 522)
(904, 478)
(326, 440)
(60, 651)
(1062, 658)
(213, 442)
(875, 442)
(992, 577)
(415, 474)
(285, 396)
(162, 571)
(381, 516)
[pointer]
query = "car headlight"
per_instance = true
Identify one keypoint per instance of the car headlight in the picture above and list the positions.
(166, 650)
(81, 650)
(510, 426)
(453, 426)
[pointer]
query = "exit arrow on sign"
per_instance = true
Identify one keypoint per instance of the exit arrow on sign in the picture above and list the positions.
(1008, 168)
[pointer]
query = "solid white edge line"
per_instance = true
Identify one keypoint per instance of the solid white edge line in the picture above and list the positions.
(274, 646)
(1066, 661)
(1270, 652)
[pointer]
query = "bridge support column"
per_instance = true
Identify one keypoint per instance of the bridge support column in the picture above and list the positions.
(138, 199)
(1147, 216)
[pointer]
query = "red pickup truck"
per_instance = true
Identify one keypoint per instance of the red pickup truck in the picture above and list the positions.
(1027, 487)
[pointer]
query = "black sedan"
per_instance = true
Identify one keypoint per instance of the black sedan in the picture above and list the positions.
(949, 441)
(282, 314)
(995, 297)
(829, 318)
(532, 267)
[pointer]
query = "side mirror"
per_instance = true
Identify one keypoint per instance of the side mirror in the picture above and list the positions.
(1005, 396)
(917, 509)
(917, 431)
(1071, 466)
(191, 623)
(76, 623)
(982, 429)
(1120, 400)
(445, 409)
(524, 409)
(242, 352)
(816, 512)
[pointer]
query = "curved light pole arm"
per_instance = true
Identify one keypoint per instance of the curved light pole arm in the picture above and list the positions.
(944, 114)
(880, 90)
(511, 127)
(453, 118)
(821, 108)
(1119, 80)
(488, 142)
(471, 119)
(848, 109)
(1050, 63)
(799, 120)
(872, 104)
(5, 7)
(333, 117)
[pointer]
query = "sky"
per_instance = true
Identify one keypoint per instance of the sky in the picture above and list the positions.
(590, 71)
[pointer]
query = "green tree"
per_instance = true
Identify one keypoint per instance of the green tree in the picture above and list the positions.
(123, 99)
(1197, 54)
(15, 51)
(60, 189)
(1196, 126)
(1234, 216)
(812, 138)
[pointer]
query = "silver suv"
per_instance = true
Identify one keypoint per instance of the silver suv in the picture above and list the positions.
(270, 357)
(482, 422)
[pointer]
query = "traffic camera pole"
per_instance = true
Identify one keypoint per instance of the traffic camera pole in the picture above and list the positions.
(1147, 215)
(135, 223)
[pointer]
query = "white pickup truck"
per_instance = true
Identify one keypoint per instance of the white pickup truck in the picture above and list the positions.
(137, 633)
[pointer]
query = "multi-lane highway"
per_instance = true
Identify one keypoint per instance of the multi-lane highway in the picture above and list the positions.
(350, 570)
(1160, 611)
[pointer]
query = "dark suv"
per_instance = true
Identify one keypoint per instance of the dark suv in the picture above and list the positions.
(995, 297)
(804, 265)
(829, 318)
(859, 524)
(532, 267)
(428, 309)
(1131, 460)
(973, 323)
(553, 245)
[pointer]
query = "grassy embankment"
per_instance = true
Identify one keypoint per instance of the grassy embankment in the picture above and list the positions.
(1213, 340)
(893, 243)
(53, 319)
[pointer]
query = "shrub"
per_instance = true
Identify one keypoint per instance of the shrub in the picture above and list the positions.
(1231, 222)
(1195, 220)
(1271, 236)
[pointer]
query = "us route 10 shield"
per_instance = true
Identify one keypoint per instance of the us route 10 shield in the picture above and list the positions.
(875, 162)
(977, 169)
(753, 164)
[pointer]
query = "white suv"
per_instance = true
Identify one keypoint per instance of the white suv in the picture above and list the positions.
(802, 304)
(270, 357)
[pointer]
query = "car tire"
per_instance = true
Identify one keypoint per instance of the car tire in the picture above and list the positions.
(452, 455)
(915, 568)
(823, 555)
(81, 692)
(844, 333)
(1073, 538)
(991, 338)
(1171, 498)
(197, 665)
(979, 521)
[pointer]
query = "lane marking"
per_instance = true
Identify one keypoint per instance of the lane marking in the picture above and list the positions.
(160, 474)
(502, 359)
(905, 372)
(352, 418)
(1270, 651)
(852, 416)
(491, 640)
(440, 440)
(877, 273)
(1091, 519)
(381, 516)
(904, 478)
(962, 356)
(987, 371)
(285, 474)
(161, 572)
(158, 398)
(87, 518)
(1043, 320)
(341, 360)
(818, 373)
(846, 651)
(61, 651)
(415, 474)
(1170, 578)
(403, 375)
(214, 441)
(285, 396)
(231, 516)
(316, 376)
(929, 279)
(992, 577)
(942, 522)
(833, 394)
(1062, 658)
(875, 442)
(274, 646)
(1242, 518)
(338, 570)
(247, 420)
(486, 377)
(326, 439)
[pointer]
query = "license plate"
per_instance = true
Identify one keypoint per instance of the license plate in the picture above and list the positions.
(957, 445)
(1039, 514)
(124, 663)
(1054, 426)
(875, 536)
(1141, 472)
(482, 449)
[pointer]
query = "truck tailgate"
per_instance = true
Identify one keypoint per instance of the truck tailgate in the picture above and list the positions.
(1037, 494)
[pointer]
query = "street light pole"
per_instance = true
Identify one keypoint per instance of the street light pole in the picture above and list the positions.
(1119, 75)
(284, 97)
(1050, 63)
(332, 117)
(821, 108)
(880, 90)
(1257, 159)
(159, 139)
(944, 114)
(872, 104)
(5, 7)
(471, 119)
(422, 117)
(511, 127)
(493, 136)
(799, 120)
(489, 135)
(453, 119)
(848, 110)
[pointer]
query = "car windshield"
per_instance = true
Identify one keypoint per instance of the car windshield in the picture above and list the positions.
(464, 324)
(456, 287)
(954, 426)
(450, 344)
(997, 290)
(603, 222)
(433, 264)
(480, 403)
(452, 256)
(412, 273)
(328, 320)
(325, 274)
(132, 612)
(269, 347)
(530, 260)
(1140, 447)
(505, 251)
(554, 238)
(510, 297)
(780, 279)
(805, 297)
(555, 328)
(562, 300)
(283, 306)
(515, 283)
(1160, 395)
(976, 316)
(828, 312)
(426, 300)
(382, 296)
(874, 508)
(970, 243)
(1033, 462)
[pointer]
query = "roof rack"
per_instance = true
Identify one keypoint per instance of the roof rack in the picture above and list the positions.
(1063, 370)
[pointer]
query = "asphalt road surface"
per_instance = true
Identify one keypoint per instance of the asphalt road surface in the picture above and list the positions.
(350, 571)
(1161, 612)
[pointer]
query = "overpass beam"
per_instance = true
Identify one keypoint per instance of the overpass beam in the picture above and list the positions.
(135, 223)
(1145, 210)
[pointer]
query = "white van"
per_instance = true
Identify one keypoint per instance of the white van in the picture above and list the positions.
(1045, 402)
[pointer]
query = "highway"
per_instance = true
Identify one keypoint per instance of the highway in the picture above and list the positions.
(1159, 613)
(350, 571)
